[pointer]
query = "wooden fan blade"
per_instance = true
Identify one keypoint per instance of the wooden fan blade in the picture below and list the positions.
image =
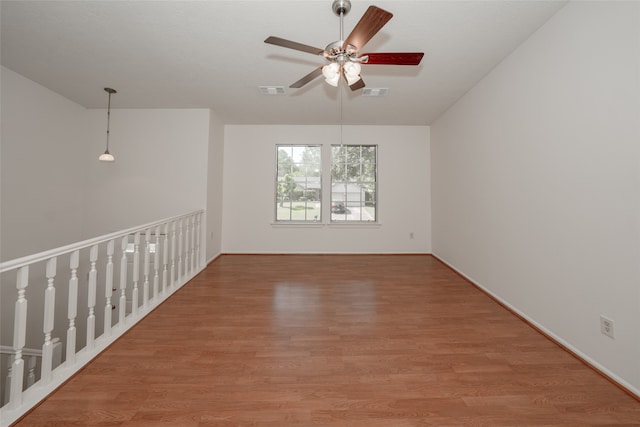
(394, 58)
(293, 45)
(355, 86)
(370, 23)
(358, 85)
(306, 79)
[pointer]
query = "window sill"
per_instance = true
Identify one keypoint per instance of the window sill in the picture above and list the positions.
(355, 224)
(364, 224)
(294, 224)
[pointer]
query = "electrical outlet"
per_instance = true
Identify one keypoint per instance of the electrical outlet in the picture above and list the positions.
(606, 326)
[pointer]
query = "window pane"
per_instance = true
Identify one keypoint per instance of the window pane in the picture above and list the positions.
(353, 183)
(298, 183)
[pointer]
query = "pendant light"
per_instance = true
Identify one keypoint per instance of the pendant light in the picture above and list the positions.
(107, 156)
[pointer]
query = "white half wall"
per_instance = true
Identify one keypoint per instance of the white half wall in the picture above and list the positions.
(42, 171)
(536, 182)
(403, 194)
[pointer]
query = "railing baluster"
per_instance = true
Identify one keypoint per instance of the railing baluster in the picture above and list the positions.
(91, 297)
(156, 265)
(136, 273)
(147, 254)
(165, 258)
(19, 335)
(193, 245)
(187, 245)
(198, 239)
(173, 254)
(123, 281)
(72, 310)
(180, 248)
(108, 288)
(49, 311)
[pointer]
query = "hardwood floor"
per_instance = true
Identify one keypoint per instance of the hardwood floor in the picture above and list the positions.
(334, 341)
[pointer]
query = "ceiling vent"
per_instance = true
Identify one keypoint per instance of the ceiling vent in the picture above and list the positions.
(271, 90)
(380, 91)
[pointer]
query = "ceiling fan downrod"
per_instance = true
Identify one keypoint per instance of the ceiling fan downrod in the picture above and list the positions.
(336, 51)
(341, 8)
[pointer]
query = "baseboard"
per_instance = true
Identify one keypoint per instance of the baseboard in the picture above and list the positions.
(324, 253)
(213, 258)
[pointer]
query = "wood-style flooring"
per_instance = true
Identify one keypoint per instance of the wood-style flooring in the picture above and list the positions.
(324, 340)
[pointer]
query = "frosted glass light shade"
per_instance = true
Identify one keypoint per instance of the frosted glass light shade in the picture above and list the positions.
(333, 81)
(352, 72)
(352, 69)
(331, 70)
(331, 73)
(106, 157)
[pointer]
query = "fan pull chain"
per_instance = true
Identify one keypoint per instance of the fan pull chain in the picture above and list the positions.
(341, 121)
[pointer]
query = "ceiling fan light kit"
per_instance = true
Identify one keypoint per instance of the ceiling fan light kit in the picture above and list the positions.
(344, 55)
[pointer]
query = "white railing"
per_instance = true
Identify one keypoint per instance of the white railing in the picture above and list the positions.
(33, 364)
(143, 266)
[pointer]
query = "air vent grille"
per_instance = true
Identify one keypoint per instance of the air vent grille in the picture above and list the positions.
(380, 91)
(271, 90)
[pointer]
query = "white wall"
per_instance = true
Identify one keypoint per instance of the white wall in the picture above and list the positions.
(536, 182)
(160, 168)
(403, 195)
(42, 170)
(214, 187)
(56, 192)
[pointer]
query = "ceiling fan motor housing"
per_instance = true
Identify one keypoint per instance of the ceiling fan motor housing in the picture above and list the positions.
(341, 7)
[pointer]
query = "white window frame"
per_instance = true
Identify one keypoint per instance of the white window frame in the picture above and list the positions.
(353, 205)
(312, 219)
(325, 217)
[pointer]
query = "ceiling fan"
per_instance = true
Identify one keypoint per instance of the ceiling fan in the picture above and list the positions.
(344, 55)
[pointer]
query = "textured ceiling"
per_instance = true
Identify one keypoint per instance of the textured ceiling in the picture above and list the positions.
(211, 54)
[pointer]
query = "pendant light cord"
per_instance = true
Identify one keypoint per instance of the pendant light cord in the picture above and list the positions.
(108, 118)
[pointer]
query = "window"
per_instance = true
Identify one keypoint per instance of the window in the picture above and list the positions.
(299, 183)
(353, 183)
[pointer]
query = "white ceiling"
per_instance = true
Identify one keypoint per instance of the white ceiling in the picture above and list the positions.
(211, 54)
